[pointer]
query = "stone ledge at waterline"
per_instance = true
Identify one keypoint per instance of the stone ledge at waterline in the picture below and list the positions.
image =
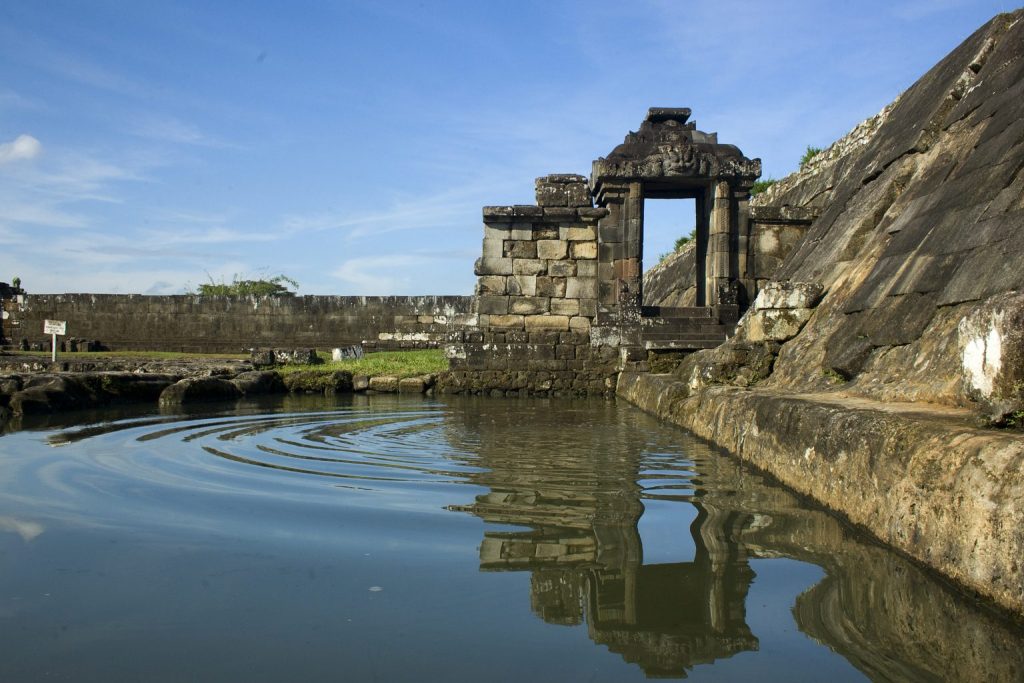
(44, 393)
(921, 478)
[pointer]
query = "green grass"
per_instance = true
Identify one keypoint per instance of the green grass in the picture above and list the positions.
(386, 363)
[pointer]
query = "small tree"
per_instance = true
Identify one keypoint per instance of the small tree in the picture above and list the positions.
(809, 154)
(275, 286)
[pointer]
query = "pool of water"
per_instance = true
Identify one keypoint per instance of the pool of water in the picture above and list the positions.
(391, 538)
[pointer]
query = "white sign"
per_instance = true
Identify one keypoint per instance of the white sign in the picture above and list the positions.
(55, 327)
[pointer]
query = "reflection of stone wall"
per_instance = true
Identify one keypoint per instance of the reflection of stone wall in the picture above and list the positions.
(571, 486)
(234, 324)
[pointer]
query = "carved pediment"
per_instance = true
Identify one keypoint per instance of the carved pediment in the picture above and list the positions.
(667, 145)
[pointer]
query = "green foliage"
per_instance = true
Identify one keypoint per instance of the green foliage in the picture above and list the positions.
(833, 377)
(762, 185)
(274, 286)
(809, 154)
(679, 244)
(384, 364)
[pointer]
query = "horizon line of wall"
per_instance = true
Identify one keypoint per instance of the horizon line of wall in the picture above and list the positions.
(229, 324)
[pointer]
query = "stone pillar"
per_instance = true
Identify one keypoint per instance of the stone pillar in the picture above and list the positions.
(718, 253)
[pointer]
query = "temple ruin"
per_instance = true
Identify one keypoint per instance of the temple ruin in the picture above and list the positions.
(559, 295)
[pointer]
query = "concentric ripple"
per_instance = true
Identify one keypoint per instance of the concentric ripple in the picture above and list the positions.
(217, 469)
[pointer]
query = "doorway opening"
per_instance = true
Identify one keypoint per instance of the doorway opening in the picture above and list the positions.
(669, 226)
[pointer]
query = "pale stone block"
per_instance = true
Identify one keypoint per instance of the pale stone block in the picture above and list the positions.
(527, 284)
(526, 266)
(425, 319)
(565, 306)
(505, 321)
(547, 322)
(528, 305)
(411, 385)
(584, 250)
(577, 234)
(491, 284)
(520, 231)
(788, 295)
(586, 269)
(580, 287)
(579, 324)
(775, 324)
(552, 249)
(489, 265)
(493, 247)
(384, 384)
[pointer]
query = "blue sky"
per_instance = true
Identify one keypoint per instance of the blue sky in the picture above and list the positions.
(146, 147)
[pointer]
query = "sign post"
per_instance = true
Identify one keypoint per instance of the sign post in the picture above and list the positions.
(53, 328)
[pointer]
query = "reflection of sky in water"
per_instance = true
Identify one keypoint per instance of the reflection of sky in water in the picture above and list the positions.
(331, 539)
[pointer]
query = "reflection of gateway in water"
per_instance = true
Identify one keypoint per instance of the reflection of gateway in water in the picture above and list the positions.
(586, 559)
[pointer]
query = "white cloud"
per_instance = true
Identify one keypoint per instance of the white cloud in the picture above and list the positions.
(390, 273)
(22, 148)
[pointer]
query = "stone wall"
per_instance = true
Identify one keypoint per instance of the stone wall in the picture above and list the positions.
(234, 324)
(537, 292)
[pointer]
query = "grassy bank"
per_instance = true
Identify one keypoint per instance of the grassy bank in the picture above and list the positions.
(386, 363)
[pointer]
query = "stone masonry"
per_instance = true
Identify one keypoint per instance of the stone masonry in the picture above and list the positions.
(536, 299)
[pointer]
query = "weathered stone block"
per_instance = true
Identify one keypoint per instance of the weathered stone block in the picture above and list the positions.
(787, 295)
(626, 268)
(552, 249)
(561, 214)
(579, 324)
(386, 385)
(588, 307)
(489, 265)
(562, 268)
(546, 322)
(493, 247)
(580, 287)
(578, 233)
(553, 287)
(411, 385)
(586, 268)
(523, 285)
(520, 249)
(492, 304)
(545, 233)
(565, 306)
(774, 324)
(505, 321)
(565, 351)
(526, 266)
(562, 190)
(491, 284)
(583, 250)
(521, 232)
(528, 305)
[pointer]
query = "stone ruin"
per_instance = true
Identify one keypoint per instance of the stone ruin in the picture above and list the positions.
(559, 298)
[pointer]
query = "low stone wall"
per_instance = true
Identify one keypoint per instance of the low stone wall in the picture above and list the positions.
(920, 478)
(233, 324)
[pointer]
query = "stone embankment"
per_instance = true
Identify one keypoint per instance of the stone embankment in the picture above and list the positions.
(32, 385)
(882, 374)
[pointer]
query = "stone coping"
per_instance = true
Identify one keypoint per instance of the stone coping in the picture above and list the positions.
(523, 213)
